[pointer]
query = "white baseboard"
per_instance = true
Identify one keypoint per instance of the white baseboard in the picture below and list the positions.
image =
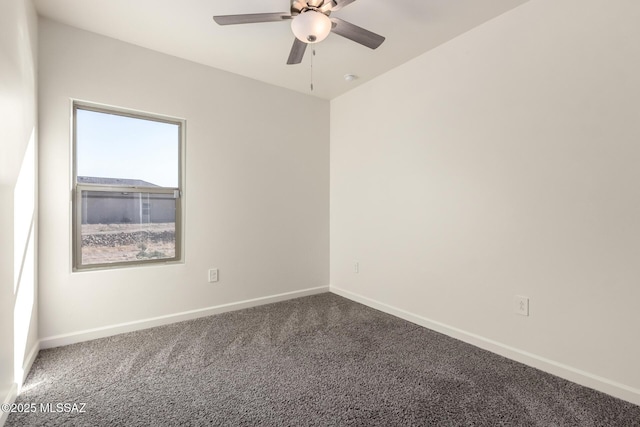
(106, 331)
(8, 399)
(567, 372)
(26, 367)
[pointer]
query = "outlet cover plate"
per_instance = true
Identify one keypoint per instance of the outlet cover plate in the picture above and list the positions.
(521, 305)
(213, 275)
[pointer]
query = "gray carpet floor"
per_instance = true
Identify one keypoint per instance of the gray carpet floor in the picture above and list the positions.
(315, 361)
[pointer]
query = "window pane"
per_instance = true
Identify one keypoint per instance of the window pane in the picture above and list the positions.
(120, 147)
(123, 227)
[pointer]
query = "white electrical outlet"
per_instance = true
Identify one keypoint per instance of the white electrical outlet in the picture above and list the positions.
(356, 267)
(213, 275)
(521, 305)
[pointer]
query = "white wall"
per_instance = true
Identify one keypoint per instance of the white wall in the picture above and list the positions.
(503, 163)
(18, 175)
(257, 184)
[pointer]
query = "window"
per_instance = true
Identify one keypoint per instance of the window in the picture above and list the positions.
(127, 204)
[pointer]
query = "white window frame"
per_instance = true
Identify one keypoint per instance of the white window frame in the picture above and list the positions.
(77, 189)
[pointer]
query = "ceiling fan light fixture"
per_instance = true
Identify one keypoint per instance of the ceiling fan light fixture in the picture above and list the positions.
(311, 26)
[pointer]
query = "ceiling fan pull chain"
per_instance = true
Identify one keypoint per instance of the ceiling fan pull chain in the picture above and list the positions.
(313, 53)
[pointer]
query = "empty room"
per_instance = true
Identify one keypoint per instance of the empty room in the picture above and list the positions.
(320, 212)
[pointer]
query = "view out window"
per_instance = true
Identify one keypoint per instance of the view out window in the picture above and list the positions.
(127, 177)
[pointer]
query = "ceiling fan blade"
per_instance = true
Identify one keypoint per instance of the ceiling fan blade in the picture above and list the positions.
(314, 3)
(339, 4)
(355, 33)
(251, 18)
(297, 52)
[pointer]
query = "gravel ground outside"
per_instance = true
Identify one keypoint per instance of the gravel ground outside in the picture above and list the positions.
(110, 243)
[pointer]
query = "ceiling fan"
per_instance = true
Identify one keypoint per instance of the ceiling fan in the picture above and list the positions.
(310, 24)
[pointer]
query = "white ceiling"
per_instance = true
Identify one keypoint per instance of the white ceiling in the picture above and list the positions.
(185, 29)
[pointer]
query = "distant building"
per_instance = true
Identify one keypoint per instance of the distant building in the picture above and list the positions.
(135, 207)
